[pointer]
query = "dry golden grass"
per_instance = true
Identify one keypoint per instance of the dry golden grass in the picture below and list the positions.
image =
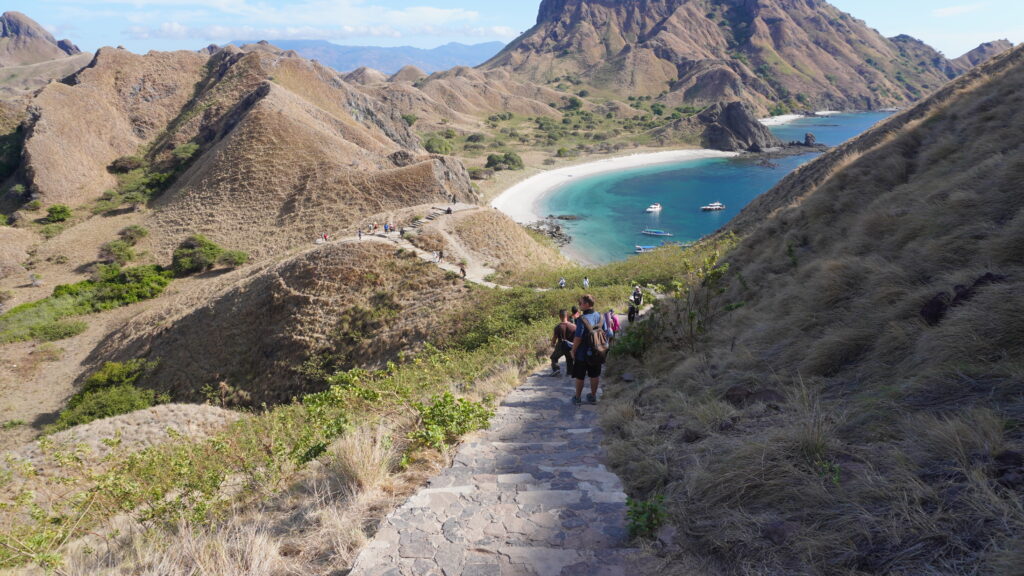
(882, 457)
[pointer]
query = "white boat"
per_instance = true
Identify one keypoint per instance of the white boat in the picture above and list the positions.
(644, 249)
(713, 207)
(653, 232)
(654, 207)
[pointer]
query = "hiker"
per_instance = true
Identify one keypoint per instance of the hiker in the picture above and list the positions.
(589, 349)
(635, 302)
(385, 228)
(611, 323)
(360, 233)
(440, 255)
(565, 332)
(374, 227)
(462, 270)
(561, 283)
(448, 211)
(433, 256)
(401, 232)
(586, 283)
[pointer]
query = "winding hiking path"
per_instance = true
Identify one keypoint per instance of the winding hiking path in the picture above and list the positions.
(528, 497)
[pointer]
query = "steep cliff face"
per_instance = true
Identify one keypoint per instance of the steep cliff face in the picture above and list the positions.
(803, 53)
(24, 41)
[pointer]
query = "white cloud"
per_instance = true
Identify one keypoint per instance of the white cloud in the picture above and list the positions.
(958, 10)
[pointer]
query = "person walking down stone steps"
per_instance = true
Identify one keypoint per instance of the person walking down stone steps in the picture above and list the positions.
(589, 349)
(561, 340)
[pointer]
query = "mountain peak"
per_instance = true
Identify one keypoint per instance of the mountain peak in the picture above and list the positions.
(25, 41)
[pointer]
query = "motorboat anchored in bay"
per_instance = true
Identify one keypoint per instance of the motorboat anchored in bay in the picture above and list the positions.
(653, 232)
(656, 207)
(713, 207)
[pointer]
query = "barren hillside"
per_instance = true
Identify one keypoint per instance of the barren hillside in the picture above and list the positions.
(350, 305)
(23, 41)
(850, 399)
(765, 52)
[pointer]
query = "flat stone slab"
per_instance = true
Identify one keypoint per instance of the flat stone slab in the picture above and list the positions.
(530, 496)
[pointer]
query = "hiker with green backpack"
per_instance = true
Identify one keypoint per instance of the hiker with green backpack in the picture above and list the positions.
(589, 350)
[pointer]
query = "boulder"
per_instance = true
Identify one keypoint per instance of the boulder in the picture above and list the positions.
(733, 127)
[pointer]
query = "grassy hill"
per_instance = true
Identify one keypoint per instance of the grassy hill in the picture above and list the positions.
(843, 393)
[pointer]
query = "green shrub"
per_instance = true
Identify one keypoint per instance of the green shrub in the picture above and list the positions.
(57, 213)
(233, 258)
(645, 516)
(119, 251)
(113, 374)
(57, 330)
(104, 404)
(196, 254)
(447, 418)
(132, 234)
(51, 230)
(476, 137)
(185, 152)
(126, 164)
(34, 205)
(507, 161)
(410, 119)
(436, 145)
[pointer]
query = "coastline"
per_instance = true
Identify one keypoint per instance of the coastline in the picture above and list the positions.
(787, 118)
(520, 201)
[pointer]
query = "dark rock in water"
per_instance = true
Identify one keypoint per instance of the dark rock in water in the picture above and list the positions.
(934, 311)
(810, 139)
(737, 395)
(733, 127)
(566, 217)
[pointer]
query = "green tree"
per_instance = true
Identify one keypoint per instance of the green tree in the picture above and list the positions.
(410, 119)
(196, 254)
(436, 145)
(57, 213)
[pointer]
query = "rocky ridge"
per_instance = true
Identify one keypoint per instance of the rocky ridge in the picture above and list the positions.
(23, 41)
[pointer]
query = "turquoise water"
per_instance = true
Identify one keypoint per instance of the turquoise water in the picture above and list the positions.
(611, 206)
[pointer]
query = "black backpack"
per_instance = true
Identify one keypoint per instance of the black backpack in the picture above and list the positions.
(596, 339)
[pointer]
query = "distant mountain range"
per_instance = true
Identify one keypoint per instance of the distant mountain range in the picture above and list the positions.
(389, 59)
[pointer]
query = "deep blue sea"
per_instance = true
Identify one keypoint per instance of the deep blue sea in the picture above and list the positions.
(611, 206)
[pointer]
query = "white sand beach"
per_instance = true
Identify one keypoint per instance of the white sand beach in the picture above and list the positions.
(520, 202)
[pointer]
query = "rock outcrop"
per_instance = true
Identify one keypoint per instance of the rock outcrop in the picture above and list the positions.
(734, 127)
(806, 53)
(24, 41)
(366, 76)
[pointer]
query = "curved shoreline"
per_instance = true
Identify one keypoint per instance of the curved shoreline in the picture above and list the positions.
(520, 201)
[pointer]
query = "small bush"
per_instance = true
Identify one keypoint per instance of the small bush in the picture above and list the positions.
(33, 205)
(436, 145)
(118, 251)
(196, 254)
(57, 213)
(476, 138)
(447, 418)
(233, 258)
(132, 234)
(410, 119)
(104, 404)
(51, 230)
(185, 152)
(481, 173)
(126, 164)
(645, 516)
(507, 161)
(113, 374)
(58, 330)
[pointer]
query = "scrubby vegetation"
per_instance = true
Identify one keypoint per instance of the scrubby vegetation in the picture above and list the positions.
(112, 287)
(198, 253)
(110, 391)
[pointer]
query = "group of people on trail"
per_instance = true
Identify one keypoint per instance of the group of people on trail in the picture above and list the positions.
(583, 336)
(586, 282)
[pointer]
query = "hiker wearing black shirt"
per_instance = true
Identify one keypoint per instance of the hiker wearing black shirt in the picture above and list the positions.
(586, 362)
(562, 339)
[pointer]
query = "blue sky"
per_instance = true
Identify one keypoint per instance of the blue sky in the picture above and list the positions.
(141, 25)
